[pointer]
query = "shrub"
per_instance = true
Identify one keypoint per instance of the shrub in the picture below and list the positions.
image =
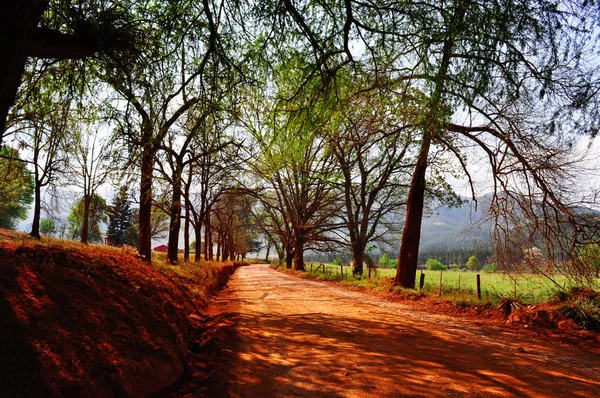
(435, 265)
(454, 267)
(384, 261)
(337, 261)
(473, 263)
(586, 313)
(394, 264)
(493, 267)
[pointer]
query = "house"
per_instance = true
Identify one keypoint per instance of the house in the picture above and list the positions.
(161, 248)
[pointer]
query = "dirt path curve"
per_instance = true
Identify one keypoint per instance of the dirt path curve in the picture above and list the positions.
(291, 337)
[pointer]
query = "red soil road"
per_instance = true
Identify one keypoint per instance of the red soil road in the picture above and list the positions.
(292, 337)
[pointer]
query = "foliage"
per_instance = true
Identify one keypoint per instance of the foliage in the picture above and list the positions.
(473, 264)
(490, 268)
(384, 261)
(589, 255)
(585, 313)
(16, 188)
(337, 261)
(121, 229)
(47, 226)
(507, 302)
(455, 255)
(435, 265)
(97, 216)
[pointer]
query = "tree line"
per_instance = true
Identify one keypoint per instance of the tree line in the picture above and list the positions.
(318, 125)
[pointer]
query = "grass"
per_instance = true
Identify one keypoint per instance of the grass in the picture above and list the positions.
(496, 287)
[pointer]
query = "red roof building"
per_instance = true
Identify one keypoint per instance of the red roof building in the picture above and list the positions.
(161, 248)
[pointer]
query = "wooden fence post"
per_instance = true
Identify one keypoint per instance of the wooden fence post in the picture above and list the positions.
(441, 272)
(478, 287)
(422, 281)
(342, 271)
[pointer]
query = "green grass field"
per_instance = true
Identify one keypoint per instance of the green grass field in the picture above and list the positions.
(528, 288)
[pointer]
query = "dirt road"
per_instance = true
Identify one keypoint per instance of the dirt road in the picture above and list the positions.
(291, 337)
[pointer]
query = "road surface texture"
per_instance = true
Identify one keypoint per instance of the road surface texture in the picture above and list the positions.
(292, 337)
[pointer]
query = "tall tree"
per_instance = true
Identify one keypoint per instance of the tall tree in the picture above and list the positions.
(90, 166)
(96, 215)
(156, 96)
(120, 221)
(44, 121)
(16, 188)
(370, 136)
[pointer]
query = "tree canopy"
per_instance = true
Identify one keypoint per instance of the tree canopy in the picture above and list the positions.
(343, 121)
(16, 188)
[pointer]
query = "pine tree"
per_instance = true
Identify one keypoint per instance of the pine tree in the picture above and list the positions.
(120, 221)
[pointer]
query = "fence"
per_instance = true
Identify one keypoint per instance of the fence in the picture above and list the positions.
(527, 287)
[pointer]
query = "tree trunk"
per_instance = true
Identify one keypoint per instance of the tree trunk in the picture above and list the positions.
(198, 231)
(87, 199)
(147, 166)
(175, 223)
(37, 206)
(411, 236)
(299, 254)
(19, 20)
(209, 241)
(289, 256)
(268, 250)
(186, 236)
(186, 227)
(358, 258)
(218, 248)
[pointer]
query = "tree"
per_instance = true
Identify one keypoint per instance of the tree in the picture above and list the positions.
(589, 255)
(371, 142)
(44, 124)
(489, 59)
(156, 96)
(120, 221)
(47, 226)
(66, 31)
(96, 209)
(505, 77)
(435, 265)
(90, 165)
(16, 188)
(473, 264)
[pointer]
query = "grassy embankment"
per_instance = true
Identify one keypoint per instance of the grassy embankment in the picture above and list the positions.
(94, 320)
(530, 288)
(505, 292)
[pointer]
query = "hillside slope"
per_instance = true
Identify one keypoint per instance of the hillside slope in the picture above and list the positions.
(91, 321)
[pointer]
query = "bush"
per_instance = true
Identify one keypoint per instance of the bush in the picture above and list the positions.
(473, 264)
(337, 261)
(435, 265)
(384, 261)
(586, 313)
(454, 267)
(394, 264)
(493, 267)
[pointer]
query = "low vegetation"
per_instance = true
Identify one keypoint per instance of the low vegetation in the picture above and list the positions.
(525, 298)
(89, 320)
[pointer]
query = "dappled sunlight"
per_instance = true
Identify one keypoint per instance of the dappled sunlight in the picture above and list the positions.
(295, 337)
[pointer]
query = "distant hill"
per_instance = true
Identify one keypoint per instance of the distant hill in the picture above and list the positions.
(456, 227)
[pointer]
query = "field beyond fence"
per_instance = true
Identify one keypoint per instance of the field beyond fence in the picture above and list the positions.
(529, 288)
